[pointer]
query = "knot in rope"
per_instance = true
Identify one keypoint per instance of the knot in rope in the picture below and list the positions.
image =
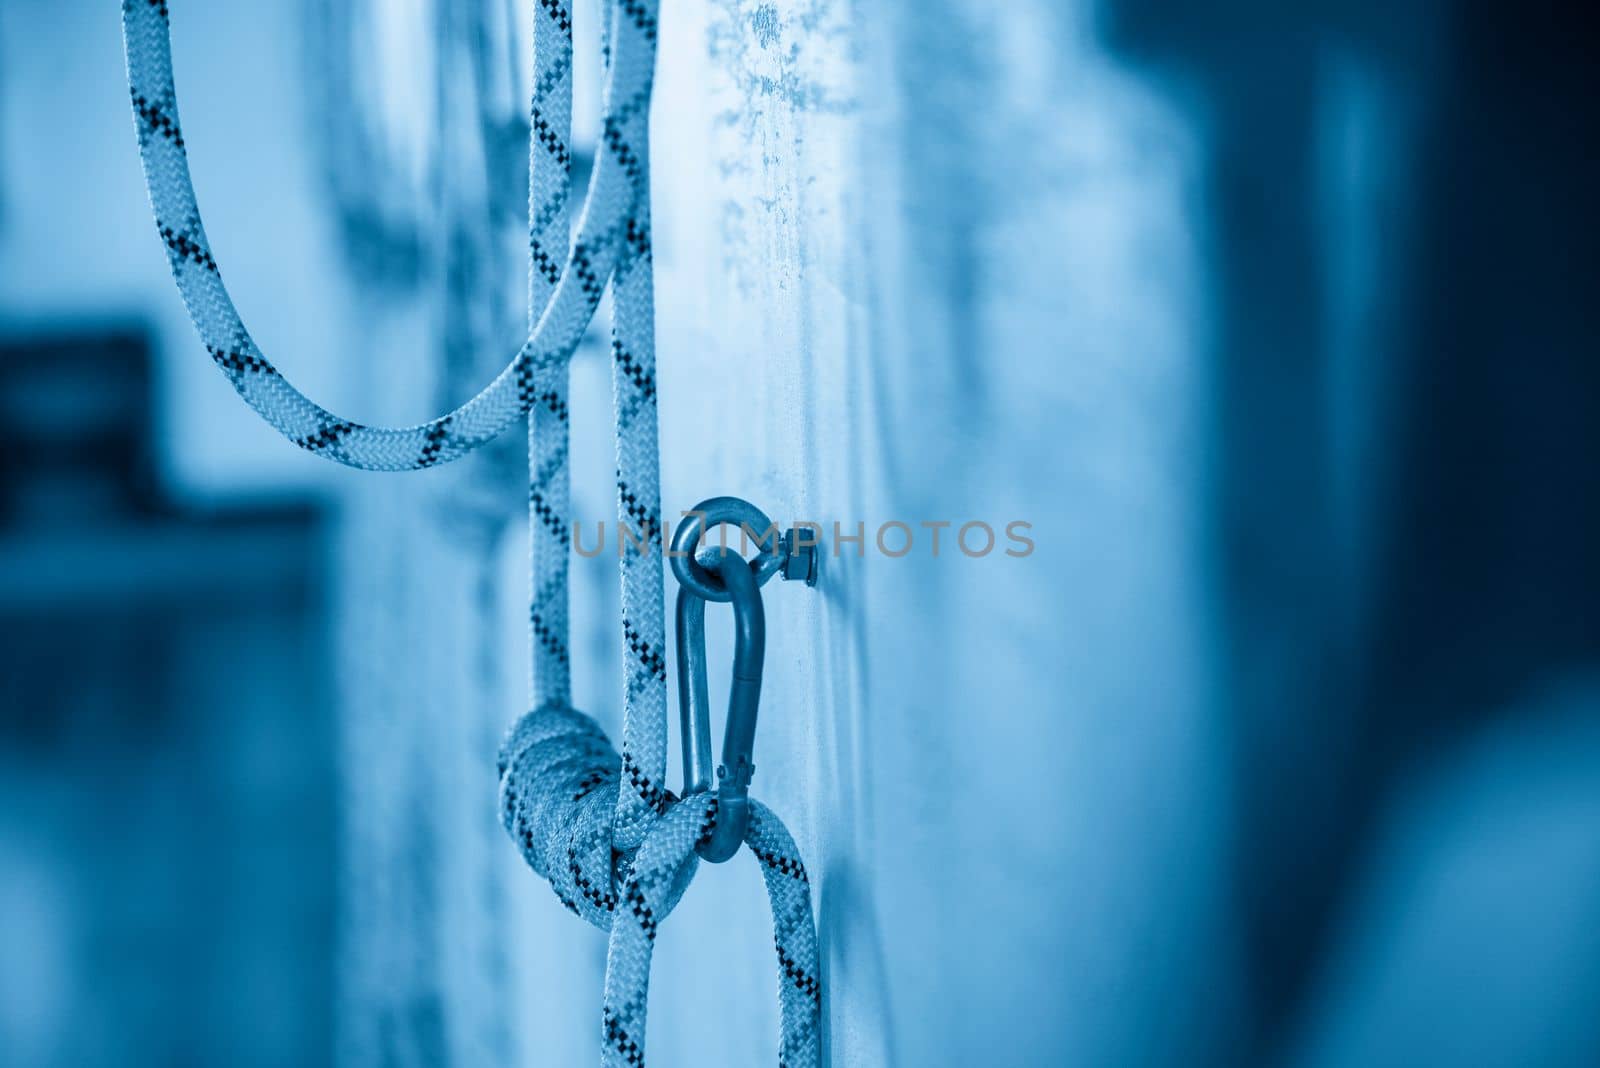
(559, 780)
(617, 846)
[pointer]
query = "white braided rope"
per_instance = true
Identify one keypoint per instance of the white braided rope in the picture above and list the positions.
(558, 775)
(589, 263)
(549, 470)
(600, 826)
(653, 887)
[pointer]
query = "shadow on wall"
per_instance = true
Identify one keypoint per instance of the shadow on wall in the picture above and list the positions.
(1403, 501)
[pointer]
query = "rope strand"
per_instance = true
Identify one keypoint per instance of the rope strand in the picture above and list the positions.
(616, 846)
(588, 266)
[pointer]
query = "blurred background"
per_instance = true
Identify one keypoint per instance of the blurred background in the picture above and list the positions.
(1275, 321)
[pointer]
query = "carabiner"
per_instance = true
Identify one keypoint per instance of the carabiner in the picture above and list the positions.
(744, 698)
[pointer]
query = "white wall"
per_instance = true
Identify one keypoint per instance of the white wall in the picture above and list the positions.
(916, 263)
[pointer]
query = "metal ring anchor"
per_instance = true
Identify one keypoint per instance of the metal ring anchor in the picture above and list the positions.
(741, 586)
(752, 523)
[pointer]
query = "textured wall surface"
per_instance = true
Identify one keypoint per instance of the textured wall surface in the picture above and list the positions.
(919, 264)
(1265, 318)
(916, 264)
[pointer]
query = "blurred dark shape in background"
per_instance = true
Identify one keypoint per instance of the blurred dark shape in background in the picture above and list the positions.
(1363, 649)
(1402, 521)
(76, 415)
(166, 773)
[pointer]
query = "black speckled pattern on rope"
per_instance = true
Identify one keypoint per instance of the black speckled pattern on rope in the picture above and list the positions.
(615, 844)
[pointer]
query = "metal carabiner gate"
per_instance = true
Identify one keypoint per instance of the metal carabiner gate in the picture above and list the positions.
(720, 574)
(744, 700)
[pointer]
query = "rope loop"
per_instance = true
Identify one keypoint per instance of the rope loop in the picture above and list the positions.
(650, 892)
(614, 224)
(558, 784)
(617, 846)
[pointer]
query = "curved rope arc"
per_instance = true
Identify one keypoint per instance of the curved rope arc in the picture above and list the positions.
(605, 230)
(615, 844)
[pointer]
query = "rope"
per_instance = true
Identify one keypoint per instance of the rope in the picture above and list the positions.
(609, 227)
(599, 825)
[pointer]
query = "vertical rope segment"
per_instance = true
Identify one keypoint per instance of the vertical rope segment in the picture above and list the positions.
(617, 846)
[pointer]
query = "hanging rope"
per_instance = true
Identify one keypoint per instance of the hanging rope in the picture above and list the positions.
(616, 845)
